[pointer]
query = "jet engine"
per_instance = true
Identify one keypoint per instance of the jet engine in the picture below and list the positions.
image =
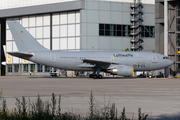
(122, 70)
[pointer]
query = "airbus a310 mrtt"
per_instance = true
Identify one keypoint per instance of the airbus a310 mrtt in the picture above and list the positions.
(116, 63)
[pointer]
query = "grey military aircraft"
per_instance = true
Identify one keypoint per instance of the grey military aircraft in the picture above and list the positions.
(117, 63)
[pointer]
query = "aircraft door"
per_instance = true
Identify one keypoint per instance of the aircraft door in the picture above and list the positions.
(52, 57)
(79, 59)
(154, 59)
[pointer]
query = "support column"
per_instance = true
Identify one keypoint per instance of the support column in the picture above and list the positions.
(165, 33)
(0, 47)
(166, 28)
(51, 31)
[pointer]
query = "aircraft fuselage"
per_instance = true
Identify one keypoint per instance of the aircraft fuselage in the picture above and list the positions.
(141, 61)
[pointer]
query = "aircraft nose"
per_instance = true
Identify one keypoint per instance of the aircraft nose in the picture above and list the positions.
(171, 62)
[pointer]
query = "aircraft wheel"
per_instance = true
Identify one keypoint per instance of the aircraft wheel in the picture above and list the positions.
(91, 76)
(150, 76)
(95, 77)
(100, 76)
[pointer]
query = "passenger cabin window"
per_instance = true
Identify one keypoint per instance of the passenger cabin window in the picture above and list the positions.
(165, 58)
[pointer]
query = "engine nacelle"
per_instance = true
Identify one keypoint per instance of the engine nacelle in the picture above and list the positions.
(122, 70)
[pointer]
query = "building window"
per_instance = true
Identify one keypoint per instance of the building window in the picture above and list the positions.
(178, 39)
(101, 29)
(152, 31)
(16, 68)
(142, 31)
(178, 67)
(178, 24)
(148, 31)
(25, 66)
(119, 30)
(40, 68)
(47, 69)
(124, 30)
(178, 10)
(32, 67)
(107, 29)
(9, 68)
(178, 58)
(113, 30)
(66, 25)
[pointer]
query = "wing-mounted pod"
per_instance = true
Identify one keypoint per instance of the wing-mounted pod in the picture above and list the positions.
(121, 70)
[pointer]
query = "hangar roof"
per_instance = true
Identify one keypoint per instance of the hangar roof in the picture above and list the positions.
(9, 4)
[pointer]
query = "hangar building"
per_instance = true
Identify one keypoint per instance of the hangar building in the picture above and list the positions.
(167, 36)
(78, 25)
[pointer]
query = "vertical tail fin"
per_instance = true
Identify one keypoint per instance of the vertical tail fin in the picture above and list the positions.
(24, 40)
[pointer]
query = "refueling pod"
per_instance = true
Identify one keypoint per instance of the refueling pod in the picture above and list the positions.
(122, 70)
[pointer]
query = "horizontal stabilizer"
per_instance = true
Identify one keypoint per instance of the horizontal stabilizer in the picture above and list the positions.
(22, 55)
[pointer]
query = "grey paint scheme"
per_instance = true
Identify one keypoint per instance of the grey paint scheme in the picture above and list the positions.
(25, 42)
(84, 60)
(39, 9)
(74, 60)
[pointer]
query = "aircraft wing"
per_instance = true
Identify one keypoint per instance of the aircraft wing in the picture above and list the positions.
(22, 55)
(96, 62)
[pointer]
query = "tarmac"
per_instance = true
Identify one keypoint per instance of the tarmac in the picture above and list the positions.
(159, 98)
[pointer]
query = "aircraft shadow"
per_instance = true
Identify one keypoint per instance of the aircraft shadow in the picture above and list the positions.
(81, 77)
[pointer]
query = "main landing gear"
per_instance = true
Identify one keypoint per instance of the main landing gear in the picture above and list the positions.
(95, 76)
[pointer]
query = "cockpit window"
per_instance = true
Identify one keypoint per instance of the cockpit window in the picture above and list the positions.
(165, 58)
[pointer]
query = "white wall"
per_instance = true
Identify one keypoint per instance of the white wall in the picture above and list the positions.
(7, 4)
